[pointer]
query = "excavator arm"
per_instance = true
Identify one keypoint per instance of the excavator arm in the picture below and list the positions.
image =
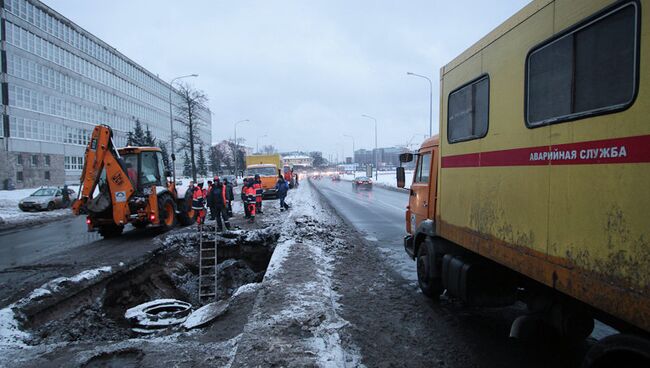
(101, 154)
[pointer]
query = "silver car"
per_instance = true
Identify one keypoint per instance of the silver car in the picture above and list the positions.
(46, 198)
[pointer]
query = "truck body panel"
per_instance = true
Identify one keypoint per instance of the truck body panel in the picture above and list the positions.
(564, 203)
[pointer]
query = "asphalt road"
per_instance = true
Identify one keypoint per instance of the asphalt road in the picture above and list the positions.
(32, 256)
(378, 214)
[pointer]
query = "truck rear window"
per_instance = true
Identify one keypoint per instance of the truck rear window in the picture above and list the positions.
(589, 70)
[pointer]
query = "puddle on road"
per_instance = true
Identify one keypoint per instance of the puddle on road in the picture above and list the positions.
(98, 314)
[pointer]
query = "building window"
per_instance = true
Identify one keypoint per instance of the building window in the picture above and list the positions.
(19, 159)
(468, 109)
(590, 70)
(47, 175)
(34, 160)
(19, 176)
(47, 160)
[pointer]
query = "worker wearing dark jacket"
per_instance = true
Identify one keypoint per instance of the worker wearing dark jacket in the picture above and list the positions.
(282, 187)
(257, 185)
(217, 196)
(230, 196)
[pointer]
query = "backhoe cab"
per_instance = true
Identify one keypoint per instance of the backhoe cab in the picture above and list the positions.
(127, 185)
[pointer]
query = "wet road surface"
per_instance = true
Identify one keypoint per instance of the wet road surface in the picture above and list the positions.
(32, 256)
(378, 214)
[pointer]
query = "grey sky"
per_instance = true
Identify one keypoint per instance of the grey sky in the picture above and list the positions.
(303, 72)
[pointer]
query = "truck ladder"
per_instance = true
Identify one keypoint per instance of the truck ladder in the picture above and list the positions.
(207, 266)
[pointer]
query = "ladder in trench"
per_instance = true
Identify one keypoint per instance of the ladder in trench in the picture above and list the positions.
(207, 267)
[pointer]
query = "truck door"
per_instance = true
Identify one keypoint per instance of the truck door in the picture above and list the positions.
(419, 194)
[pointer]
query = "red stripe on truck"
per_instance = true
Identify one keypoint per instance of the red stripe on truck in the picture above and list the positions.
(608, 151)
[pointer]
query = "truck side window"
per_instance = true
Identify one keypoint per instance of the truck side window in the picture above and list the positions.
(423, 170)
(468, 109)
(588, 71)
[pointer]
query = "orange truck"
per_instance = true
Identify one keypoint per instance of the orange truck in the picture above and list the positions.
(127, 186)
(537, 188)
(268, 168)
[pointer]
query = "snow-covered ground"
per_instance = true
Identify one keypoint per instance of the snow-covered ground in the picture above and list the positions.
(387, 178)
(12, 216)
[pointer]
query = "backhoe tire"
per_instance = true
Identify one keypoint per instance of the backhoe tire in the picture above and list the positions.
(110, 231)
(428, 270)
(186, 215)
(166, 212)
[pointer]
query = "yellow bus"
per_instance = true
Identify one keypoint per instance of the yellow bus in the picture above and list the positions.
(538, 186)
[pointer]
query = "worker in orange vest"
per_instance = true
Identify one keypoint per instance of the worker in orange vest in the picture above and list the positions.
(257, 184)
(250, 193)
(198, 203)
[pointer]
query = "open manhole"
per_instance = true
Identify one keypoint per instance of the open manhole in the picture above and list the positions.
(98, 313)
(158, 314)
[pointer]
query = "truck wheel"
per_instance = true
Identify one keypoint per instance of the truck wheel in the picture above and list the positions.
(619, 351)
(428, 270)
(110, 231)
(186, 216)
(50, 206)
(166, 212)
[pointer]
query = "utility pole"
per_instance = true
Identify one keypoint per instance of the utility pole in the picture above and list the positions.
(430, 100)
(375, 153)
(171, 123)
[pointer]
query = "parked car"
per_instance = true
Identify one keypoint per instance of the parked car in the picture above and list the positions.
(45, 198)
(336, 177)
(362, 182)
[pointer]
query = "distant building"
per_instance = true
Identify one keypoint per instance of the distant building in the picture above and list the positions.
(58, 82)
(296, 159)
(386, 157)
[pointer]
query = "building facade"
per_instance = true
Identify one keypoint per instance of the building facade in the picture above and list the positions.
(387, 157)
(58, 82)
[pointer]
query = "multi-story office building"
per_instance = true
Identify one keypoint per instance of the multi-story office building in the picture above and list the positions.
(58, 82)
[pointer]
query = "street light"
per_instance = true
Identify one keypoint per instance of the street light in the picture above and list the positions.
(430, 100)
(375, 153)
(236, 153)
(171, 122)
(257, 144)
(349, 136)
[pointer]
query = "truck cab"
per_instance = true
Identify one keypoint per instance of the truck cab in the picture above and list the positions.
(421, 209)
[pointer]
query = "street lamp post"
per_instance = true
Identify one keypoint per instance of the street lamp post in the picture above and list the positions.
(349, 136)
(375, 153)
(236, 153)
(171, 122)
(430, 100)
(257, 144)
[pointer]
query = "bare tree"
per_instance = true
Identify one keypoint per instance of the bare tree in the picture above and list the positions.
(191, 112)
(269, 149)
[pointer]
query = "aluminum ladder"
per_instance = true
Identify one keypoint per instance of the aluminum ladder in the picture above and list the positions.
(207, 266)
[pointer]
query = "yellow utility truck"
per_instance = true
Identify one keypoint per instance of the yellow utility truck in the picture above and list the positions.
(538, 187)
(268, 168)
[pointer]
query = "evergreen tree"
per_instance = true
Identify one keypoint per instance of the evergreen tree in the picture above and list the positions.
(202, 165)
(187, 165)
(129, 139)
(165, 155)
(215, 160)
(138, 138)
(149, 139)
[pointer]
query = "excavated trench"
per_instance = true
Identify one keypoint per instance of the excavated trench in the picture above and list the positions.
(97, 313)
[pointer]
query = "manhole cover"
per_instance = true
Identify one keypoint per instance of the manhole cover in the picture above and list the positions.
(158, 314)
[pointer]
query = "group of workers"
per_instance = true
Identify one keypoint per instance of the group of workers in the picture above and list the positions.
(218, 197)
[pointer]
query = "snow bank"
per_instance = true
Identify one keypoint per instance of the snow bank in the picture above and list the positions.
(10, 333)
(297, 294)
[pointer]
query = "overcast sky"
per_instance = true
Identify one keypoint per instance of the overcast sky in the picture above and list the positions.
(303, 71)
